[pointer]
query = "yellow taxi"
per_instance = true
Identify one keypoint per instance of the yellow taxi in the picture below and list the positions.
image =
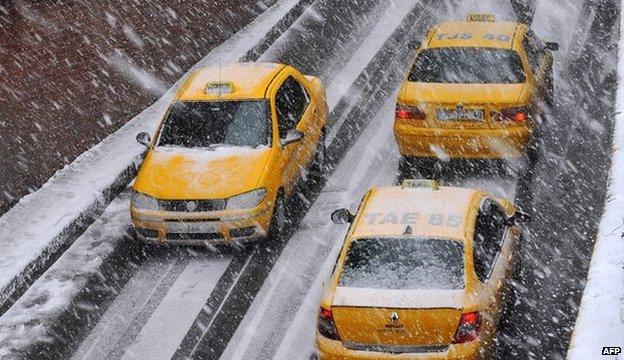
(473, 91)
(228, 153)
(422, 274)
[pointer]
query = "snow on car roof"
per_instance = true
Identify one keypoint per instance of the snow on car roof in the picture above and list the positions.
(236, 81)
(441, 213)
(477, 34)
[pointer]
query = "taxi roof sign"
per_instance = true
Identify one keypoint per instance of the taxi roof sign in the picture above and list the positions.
(218, 88)
(420, 184)
(481, 18)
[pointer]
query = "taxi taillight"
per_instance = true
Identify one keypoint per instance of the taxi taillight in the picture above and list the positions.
(409, 112)
(326, 325)
(518, 115)
(468, 328)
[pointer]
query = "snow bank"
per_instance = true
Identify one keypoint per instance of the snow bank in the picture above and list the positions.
(43, 223)
(600, 321)
(29, 321)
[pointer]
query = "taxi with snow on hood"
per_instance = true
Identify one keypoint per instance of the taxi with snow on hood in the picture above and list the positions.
(422, 274)
(474, 92)
(228, 153)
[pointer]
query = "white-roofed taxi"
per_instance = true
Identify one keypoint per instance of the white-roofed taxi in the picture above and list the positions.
(422, 274)
(228, 153)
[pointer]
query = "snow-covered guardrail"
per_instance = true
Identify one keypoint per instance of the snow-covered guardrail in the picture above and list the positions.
(45, 222)
(600, 322)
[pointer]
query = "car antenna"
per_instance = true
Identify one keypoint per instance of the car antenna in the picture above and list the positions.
(408, 230)
(220, 88)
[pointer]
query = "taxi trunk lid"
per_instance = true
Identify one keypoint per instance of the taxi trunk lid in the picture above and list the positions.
(476, 104)
(397, 320)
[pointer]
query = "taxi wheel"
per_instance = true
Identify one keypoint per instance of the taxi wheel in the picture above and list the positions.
(278, 221)
(533, 153)
(550, 90)
(317, 169)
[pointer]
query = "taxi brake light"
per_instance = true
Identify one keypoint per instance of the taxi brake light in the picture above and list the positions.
(518, 115)
(468, 328)
(326, 325)
(409, 113)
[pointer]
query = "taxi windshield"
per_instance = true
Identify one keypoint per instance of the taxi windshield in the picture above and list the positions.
(404, 264)
(467, 65)
(202, 124)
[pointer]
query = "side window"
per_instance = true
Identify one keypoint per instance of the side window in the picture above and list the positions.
(291, 101)
(534, 49)
(490, 229)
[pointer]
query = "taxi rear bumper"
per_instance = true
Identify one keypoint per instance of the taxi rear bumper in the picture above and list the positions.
(333, 350)
(505, 143)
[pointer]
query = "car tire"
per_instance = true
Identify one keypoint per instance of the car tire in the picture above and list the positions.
(533, 152)
(517, 275)
(278, 219)
(550, 90)
(317, 168)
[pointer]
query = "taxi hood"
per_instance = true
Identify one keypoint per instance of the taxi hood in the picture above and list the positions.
(175, 173)
(504, 94)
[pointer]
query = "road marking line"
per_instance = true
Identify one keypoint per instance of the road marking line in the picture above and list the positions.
(169, 323)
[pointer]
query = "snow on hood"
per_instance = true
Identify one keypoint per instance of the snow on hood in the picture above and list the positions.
(183, 173)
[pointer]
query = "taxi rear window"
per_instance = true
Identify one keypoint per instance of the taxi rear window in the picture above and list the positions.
(467, 65)
(202, 124)
(404, 264)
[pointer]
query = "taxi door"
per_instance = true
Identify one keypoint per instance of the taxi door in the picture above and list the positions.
(294, 113)
(490, 251)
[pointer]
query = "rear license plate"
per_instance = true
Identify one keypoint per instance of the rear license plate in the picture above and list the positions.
(191, 228)
(463, 115)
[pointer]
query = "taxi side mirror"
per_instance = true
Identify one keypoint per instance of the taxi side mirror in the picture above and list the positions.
(342, 216)
(519, 218)
(292, 136)
(144, 139)
(552, 46)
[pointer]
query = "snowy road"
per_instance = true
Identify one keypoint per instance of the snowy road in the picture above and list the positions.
(261, 303)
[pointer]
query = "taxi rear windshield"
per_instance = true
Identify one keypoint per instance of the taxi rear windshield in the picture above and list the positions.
(201, 124)
(468, 65)
(404, 264)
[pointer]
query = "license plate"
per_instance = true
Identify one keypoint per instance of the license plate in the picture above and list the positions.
(464, 115)
(191, 228)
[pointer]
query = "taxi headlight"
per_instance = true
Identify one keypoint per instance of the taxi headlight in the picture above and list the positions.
(247, 200)
(143, 202)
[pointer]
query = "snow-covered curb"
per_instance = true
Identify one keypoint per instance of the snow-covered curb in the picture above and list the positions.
(35, 320)
(43, 223)
(600, 320)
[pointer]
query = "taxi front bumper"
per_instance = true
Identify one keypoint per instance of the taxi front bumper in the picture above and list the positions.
(507, 143)
(334, 350)
(188, 228)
